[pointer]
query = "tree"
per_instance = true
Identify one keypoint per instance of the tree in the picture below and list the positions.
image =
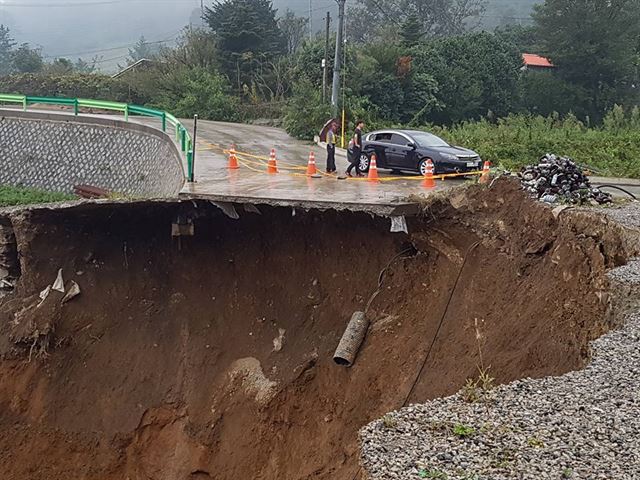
(196, 47)
(27, 60)
(6, 51)
(141, 50)
(248, 35)
(60, 66)
(411, 31)
(82, 66)
(475, 73)
(373, 19)
(525, 38)
(594, 45)
(294, 29)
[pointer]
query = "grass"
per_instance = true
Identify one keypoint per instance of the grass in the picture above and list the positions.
(432, 473)
(11, 196)
(611, 150)
(463, 431)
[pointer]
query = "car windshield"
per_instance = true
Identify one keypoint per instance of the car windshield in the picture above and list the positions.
(425, 139)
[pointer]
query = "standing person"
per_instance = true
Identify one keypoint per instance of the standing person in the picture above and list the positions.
(331, 148)
(357, 150)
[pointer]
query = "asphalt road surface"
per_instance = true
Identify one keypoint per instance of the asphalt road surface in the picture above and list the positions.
(252, 180)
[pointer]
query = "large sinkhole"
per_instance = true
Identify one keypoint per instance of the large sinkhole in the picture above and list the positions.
(211, 356)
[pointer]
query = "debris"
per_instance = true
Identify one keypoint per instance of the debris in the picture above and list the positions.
(228, 209)
(58, 285)
(279, 340)
(251, 208)
(399, 224)
(559, 180)
(74, 291)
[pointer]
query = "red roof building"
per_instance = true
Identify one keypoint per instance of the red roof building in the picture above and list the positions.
(536, 61)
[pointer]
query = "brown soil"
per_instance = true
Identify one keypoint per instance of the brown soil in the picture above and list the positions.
(172, 364)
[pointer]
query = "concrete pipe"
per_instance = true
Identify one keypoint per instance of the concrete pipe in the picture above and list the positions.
(351, 340)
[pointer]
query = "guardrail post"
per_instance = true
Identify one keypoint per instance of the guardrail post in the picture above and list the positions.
(193, 149)
(126, 113)
(183, 138)
(164, 122)
(24, 104)
(190, 166)
(76, 107)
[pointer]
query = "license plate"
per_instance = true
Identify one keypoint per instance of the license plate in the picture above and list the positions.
(472, 164)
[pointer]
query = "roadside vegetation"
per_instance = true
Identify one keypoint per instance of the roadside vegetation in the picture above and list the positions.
(423, 64)
(11, 196)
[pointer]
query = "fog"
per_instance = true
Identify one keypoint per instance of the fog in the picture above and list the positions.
(107, 28)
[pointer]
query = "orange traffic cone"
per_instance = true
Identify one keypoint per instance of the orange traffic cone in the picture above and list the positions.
(373, 169)
(272, 167)
(311, 166)
(429, 182)
(233, 160)
(486, 171)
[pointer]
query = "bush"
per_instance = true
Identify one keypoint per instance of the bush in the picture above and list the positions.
(305, 114)
(522, 139)
(187, 92)
(75, 85)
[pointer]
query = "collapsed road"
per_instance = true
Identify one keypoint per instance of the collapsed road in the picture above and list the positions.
(210, 354)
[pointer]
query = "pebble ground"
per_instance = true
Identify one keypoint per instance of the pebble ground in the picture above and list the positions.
(582, 425)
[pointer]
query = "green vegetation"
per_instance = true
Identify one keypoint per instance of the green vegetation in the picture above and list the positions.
(413, 63)
(611, 149)
(433, 473)
(463, 431)
(10, 196)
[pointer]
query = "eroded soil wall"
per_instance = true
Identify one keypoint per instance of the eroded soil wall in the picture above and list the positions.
(212, 357)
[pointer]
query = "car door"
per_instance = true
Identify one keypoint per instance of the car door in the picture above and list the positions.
(380, 144)
(399, 153)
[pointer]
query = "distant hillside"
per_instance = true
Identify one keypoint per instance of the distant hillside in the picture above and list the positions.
(499, 12)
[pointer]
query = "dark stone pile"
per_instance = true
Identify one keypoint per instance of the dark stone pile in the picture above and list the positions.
(559, 180)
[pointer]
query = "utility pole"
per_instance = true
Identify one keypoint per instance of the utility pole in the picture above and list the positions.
(337, 63)
(310, 19)
(325, 63)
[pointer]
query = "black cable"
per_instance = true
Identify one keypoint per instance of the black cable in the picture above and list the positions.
(435, 337)
(619, 188)
(444, 315)
(381, 276)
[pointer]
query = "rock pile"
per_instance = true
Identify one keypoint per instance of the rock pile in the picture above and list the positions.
(559, 180)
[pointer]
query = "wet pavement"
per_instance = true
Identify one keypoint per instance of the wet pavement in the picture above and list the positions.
(290, 185)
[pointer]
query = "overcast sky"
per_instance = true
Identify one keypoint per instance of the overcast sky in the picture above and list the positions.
(84, 28)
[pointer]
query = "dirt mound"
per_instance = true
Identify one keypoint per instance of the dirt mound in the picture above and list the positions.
(212, 357)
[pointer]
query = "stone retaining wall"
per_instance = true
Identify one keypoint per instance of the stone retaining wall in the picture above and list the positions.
(57, 152)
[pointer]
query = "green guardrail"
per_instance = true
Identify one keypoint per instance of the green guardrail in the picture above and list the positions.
(181, 133)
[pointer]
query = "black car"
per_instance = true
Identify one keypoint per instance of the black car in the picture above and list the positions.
(410, 149)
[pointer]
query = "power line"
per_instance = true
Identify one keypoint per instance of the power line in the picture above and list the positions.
(103, 50)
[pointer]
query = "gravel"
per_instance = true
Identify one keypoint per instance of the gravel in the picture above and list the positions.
(582, 425)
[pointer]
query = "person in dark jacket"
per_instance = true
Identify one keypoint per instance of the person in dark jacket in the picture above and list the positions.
(331, 148)
(356, 150)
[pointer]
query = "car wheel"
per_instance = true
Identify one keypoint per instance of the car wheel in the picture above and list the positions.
(422, 167)
(364, 162)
